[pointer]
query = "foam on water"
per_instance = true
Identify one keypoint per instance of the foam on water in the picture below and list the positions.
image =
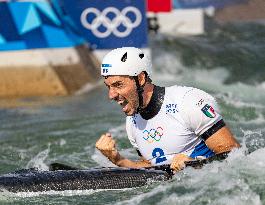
(119, 131)
(212, 80)
(261, 85)
(11, 196)
(168, 67)
(139, 198)
(101, 159)
(231, 99)
(38, 160)
(254, 140)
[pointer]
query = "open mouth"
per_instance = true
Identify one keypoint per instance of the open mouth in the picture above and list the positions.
(123, 104)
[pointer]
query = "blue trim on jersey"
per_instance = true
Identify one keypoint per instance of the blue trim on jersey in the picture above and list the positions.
(202, 150)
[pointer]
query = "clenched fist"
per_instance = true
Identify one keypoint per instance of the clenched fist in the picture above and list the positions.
(107, 146)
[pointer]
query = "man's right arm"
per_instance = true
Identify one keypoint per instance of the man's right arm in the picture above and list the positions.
(124, 162)
(106, 145)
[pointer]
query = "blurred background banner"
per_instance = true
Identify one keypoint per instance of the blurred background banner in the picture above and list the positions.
(28, 25)
(107, 24)
(204, 3)
(159, 5)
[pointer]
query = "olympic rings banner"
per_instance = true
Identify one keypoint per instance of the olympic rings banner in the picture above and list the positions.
(108, 24)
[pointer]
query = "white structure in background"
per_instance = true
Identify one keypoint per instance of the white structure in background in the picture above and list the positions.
(182, 21)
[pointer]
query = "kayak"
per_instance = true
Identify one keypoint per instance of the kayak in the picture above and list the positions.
(34, 180)
(61, 177)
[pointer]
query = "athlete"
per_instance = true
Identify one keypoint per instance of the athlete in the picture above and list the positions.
(166, 125)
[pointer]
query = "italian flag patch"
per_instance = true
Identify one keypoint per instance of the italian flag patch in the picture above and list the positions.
(208, 111)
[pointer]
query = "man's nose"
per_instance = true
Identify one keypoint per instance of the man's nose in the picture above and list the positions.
(113, 93)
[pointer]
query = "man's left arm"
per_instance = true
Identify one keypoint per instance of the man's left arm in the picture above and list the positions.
(222, 141)
(202, 114)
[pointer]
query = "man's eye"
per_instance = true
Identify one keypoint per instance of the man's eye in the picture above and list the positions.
(118, 85)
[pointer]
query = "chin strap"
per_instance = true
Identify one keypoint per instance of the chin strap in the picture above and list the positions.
(140, 90)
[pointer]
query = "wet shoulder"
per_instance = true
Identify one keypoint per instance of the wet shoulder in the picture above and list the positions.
(177, 93)
(186, 97)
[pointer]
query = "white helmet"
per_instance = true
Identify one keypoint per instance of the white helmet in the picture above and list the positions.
(129, 61)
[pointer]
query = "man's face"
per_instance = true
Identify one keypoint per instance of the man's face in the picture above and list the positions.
(122, 89)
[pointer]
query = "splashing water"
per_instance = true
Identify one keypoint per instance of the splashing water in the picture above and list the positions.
(38, 160)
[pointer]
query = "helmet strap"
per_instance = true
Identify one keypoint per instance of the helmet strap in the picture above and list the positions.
(140, 90)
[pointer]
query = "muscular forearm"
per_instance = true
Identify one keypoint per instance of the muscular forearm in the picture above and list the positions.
(222, 141)
(124, 162)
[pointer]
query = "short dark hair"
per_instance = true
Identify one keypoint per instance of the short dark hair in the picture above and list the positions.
(147, 78)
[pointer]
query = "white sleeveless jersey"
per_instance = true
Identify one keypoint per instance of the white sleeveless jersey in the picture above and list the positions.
(185, 114)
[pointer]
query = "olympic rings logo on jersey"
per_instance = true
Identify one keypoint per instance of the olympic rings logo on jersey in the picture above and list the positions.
(111, 24)
(153, 134)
